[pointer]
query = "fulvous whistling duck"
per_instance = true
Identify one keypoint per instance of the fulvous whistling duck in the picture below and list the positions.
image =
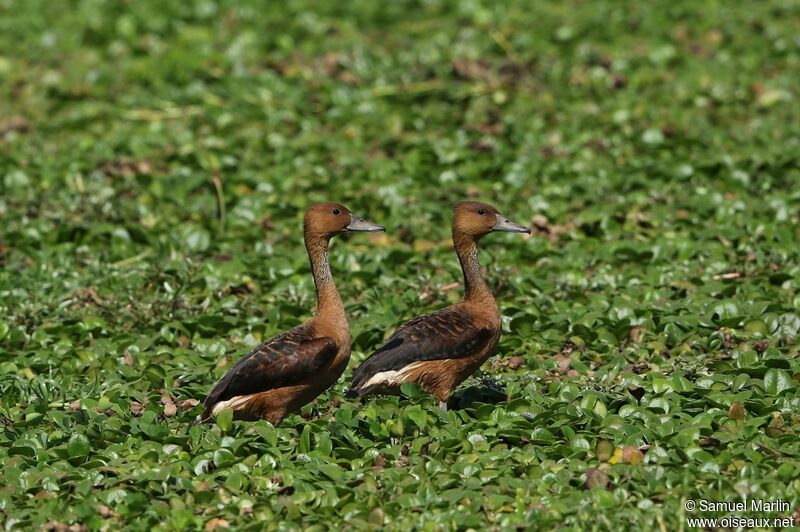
(441, 349)
(290, 370)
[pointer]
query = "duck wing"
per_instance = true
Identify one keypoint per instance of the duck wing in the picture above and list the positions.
(281, 361)
(446, 333)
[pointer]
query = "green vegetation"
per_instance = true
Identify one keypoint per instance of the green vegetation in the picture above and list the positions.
(654, 147)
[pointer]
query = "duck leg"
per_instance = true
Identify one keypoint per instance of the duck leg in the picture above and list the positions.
(443, 405)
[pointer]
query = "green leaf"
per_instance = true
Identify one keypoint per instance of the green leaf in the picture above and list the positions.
(412, 390)
(305, 439)
(196, 238)
(224, 419)
(78, 446)
(331, 471)
(224, 458)
(417, 416)
(777, 380)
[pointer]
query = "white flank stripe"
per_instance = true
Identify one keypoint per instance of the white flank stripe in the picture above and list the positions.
(391, 378)
(234, 403)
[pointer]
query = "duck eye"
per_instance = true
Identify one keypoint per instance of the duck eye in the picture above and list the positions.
(337, 212)
(482, 212)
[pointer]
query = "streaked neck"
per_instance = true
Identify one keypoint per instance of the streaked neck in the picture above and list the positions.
(475, 287)
(328, 300)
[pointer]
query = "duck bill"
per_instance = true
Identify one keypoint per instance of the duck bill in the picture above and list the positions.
(504, 224)
(360, 224)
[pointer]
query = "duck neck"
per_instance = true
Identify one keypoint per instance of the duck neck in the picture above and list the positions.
(329, 303)
(475, 288)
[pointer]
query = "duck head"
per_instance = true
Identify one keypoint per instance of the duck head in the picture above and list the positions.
(477, 219)
(329, 219)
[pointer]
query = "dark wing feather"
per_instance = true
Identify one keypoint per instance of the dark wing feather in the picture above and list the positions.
(281, 361)
(446, 333)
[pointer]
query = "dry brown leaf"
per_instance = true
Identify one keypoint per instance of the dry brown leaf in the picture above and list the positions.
(189, 403)
(332, 64)
(761, 346)
(736, 411)
(15, 123)
(471, 70)
(170, 409)
(563, 361)
(596, 479)
(124, 167)
(635, 334)
(106, 512)
(349, 78)
(137, 409)
(215, 523)
(632, 455)
(515, 362)
(541, 226)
